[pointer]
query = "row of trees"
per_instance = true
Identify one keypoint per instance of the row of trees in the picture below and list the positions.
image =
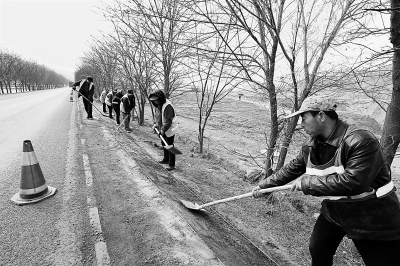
(17, 73)
(285, 50)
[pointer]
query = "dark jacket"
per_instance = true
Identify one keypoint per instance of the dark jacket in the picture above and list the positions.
(361, 148)
(117, 98)
(364, 167)
(84, 88)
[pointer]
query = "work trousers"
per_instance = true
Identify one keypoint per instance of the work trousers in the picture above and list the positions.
(168, 156)
(117, 112)
(104, 108)
(126, 117)
(326, 238)
(88, 107)
(110, 109)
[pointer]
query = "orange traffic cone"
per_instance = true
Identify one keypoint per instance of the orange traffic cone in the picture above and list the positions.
(33, 187)
(71, 99)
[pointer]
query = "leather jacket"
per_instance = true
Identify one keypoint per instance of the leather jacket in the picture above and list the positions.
(361, 157)
(362, 167)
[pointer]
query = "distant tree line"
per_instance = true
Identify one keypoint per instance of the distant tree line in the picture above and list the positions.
(19, 75)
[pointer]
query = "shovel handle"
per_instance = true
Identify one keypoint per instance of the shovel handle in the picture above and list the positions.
(158, 133)
(265, 190)
(120, 124)
(91, 103)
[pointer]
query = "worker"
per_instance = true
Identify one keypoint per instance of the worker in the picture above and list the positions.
(347, 165)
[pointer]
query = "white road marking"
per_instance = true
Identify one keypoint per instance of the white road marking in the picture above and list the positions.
(102, 255)
(68, 251)
(88, 171)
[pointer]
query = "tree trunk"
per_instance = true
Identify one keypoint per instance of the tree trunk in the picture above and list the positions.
(391, 128)
(286, 142)
(273, 135)
(201, 140)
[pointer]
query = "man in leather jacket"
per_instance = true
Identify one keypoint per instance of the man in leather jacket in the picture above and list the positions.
(346, 165)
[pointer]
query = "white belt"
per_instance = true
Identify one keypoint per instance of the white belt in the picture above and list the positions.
(380, 192)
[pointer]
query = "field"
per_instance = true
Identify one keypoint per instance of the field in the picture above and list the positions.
(235, 135)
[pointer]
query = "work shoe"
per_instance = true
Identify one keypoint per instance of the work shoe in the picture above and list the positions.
(170, 168)
(163, 162)
(128, 130)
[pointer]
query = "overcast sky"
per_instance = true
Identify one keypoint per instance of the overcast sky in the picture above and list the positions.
(51, 32)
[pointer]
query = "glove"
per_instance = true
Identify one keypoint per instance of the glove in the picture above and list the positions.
(74, 88)
(257, 194)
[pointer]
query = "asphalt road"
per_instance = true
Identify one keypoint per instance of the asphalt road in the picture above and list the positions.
(51, 232)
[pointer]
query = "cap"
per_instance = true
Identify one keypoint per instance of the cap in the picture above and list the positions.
(315, 103)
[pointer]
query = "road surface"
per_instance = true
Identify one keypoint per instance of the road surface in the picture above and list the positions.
(115, 205)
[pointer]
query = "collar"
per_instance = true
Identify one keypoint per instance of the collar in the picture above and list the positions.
(336, 137)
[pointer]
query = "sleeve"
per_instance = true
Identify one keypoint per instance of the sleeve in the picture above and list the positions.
(125, 102)
(133, 101)
(363, 163)
(288, 172)
(168, 116)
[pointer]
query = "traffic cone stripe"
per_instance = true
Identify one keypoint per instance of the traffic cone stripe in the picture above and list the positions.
(33, 193)
(34, 177)
(29, 158)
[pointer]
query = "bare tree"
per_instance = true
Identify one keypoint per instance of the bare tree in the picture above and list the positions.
(297, 31)
(167, 36)
(391, 128)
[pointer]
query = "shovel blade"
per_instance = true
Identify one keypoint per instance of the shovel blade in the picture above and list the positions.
(172, 149)
(191, 205)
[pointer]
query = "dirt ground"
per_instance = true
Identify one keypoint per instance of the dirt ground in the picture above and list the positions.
(235, 136)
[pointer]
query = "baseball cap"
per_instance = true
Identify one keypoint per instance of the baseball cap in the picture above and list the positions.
(315, 103)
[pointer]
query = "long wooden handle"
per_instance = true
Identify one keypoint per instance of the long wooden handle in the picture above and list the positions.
(91, 103)
(158, 133)
(120, 124)
(265, 190)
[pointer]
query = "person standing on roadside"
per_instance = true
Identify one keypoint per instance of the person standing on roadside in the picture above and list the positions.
(108, 102)
(116, 105)
(86, 89)
(345, 164)
(127, 105)
(166, 125)
(103, 100)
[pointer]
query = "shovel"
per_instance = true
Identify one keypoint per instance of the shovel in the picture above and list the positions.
(195, 206)
(170, 148)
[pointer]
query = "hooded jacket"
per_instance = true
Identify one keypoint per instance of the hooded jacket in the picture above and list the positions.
(166, 117)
